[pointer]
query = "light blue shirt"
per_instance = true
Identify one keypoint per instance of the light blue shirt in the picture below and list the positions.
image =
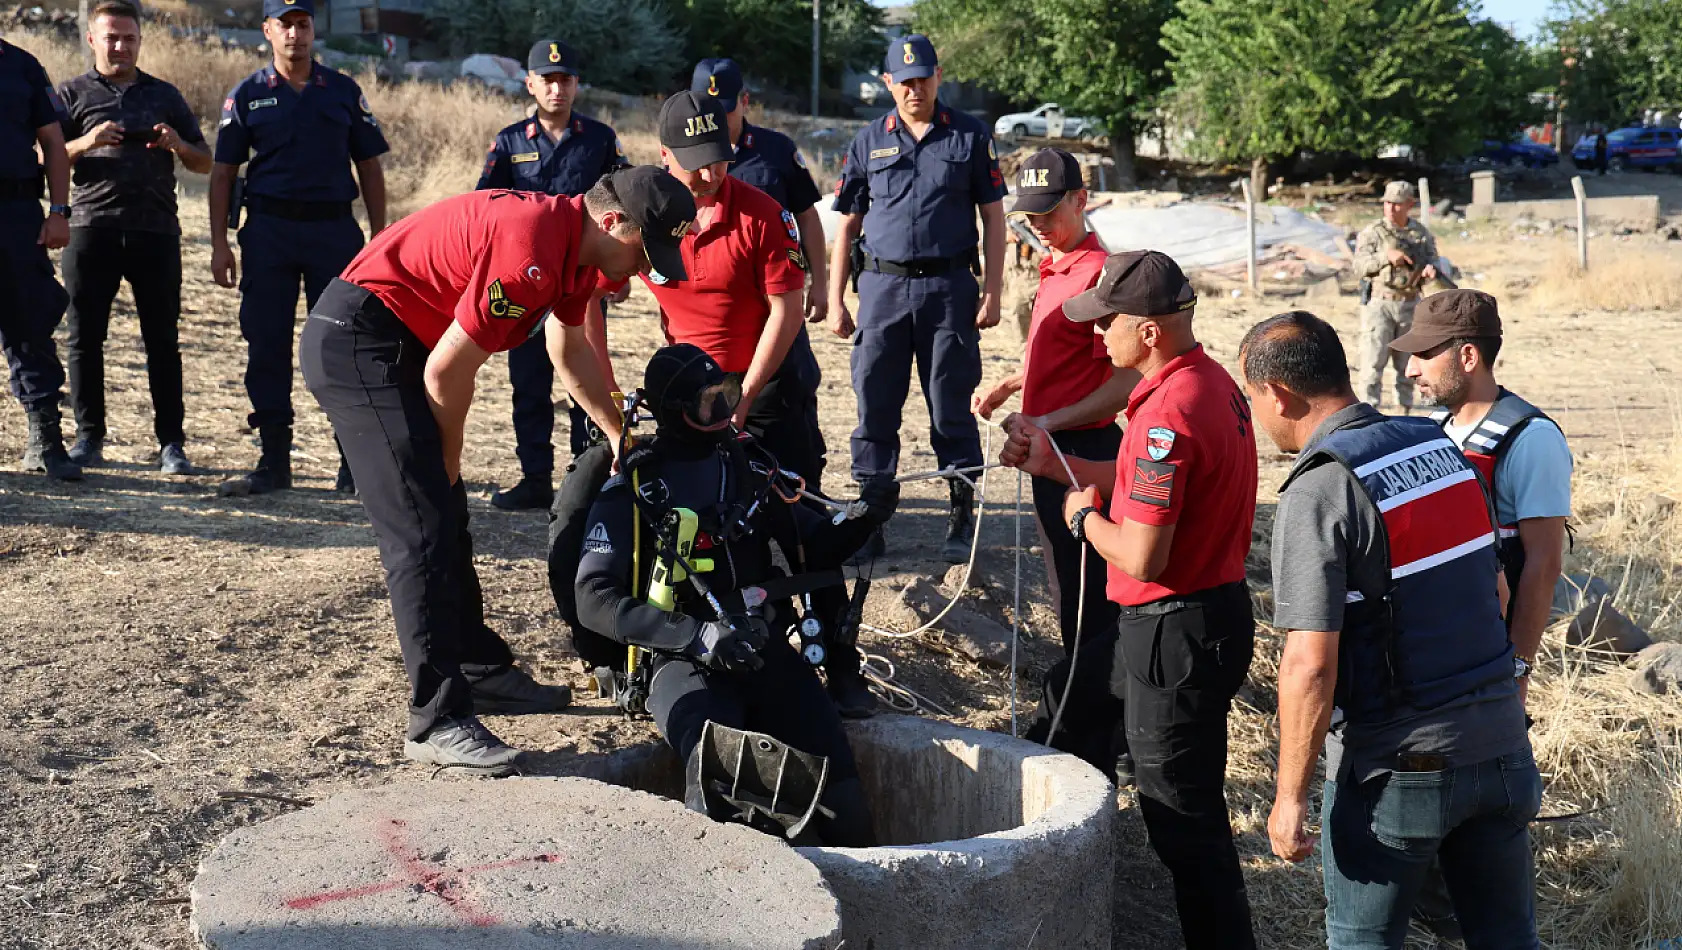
(1533, 478)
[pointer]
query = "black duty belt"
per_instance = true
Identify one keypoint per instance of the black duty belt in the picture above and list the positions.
(298, 210)
(19, 189)
(921, 266)
(1203, 598)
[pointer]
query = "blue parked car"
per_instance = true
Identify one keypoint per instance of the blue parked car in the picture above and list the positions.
(1632, 148)
(1520, 151)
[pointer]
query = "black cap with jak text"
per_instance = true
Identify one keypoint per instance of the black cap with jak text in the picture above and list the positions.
(694, 130)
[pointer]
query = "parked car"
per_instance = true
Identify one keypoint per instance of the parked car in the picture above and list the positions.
(1520, 151)
(1632, 148)
(1019, 124)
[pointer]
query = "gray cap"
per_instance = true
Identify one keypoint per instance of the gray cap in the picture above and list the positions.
(1399, 192)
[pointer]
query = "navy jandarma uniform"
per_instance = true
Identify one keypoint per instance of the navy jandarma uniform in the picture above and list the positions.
(918, 292)
(298, 147)
(31, 300)
(524, 158)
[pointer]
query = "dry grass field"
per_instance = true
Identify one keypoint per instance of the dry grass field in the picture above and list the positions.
(168, 651)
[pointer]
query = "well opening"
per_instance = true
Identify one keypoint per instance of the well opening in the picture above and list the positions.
(922, 788)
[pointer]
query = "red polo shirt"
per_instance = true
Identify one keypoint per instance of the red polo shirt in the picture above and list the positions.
(496, 262)
(749, 251)
(1065, 362)
(1188, 459)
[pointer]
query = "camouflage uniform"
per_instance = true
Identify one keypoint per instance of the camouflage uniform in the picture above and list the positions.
(1389, 313)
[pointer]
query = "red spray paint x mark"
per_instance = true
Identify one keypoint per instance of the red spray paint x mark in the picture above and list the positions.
(446, 885)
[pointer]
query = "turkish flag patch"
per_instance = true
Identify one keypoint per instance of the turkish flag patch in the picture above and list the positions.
(1153, 483)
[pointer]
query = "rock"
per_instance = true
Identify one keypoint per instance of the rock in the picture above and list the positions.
(1600, 625)
(423, 69)
(498, 72)
(1658, 669)
(1325, 291)
(975, 636)
(1573, 591)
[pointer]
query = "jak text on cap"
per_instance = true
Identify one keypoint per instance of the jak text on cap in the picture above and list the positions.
(663, 209)
(1044, 179)
(693, 129)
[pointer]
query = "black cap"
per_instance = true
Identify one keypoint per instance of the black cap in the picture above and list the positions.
(910, 57)
(664, 210)
(552, 56)
(1450, 315)
(719, 78)
(693, 129)
(1044, 179)
(275, 9)
(674, 375)
(1137, 283)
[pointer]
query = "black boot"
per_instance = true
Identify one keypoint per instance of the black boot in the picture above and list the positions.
(345, 482)
(45, 450)
(531, 493)
(846, 684)
(274, 466)
(960, 523)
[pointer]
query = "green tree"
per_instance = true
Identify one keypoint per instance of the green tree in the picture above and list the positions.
(628, 45)
(1095, 57)
(1264, 79)
(772, 39)
(1616, 58)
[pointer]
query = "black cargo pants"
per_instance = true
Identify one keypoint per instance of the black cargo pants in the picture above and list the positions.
(1171, 669)
(365, 368)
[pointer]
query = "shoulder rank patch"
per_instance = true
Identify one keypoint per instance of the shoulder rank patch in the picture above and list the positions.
(1159, 441)
(524, 157)
(788, 223)
(500, 306)
(1153, 483)
(797, 258)
(879, 152)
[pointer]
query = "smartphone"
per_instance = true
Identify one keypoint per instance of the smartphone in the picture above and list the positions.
(140, 136)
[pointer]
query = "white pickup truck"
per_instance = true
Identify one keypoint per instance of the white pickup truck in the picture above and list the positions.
(1042, 119)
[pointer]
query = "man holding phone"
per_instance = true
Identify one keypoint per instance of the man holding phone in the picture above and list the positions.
(123, 133)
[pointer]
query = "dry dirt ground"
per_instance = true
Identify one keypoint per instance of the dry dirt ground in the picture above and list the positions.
(165, 647)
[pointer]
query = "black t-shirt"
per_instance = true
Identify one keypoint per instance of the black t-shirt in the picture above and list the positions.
(131, 185)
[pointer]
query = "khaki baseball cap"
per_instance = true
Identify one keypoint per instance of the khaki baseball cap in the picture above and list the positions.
(1399, 192)
(1450, 315)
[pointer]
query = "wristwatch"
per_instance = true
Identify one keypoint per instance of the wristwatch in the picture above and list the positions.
(61, 210)
(1077, 524)
(1521, 667)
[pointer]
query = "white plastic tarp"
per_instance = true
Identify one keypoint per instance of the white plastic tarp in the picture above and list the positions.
(1196, 234)
(1199, 235)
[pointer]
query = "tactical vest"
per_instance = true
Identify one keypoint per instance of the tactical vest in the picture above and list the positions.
(1434, 632)
(1484, 448)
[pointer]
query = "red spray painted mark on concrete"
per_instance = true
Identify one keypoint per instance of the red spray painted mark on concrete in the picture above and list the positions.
(442, 883)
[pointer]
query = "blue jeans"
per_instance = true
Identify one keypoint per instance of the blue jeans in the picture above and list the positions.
(1381, 836)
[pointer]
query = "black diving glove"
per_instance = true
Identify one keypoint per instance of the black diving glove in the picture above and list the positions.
(732, 651)
(881, 498)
